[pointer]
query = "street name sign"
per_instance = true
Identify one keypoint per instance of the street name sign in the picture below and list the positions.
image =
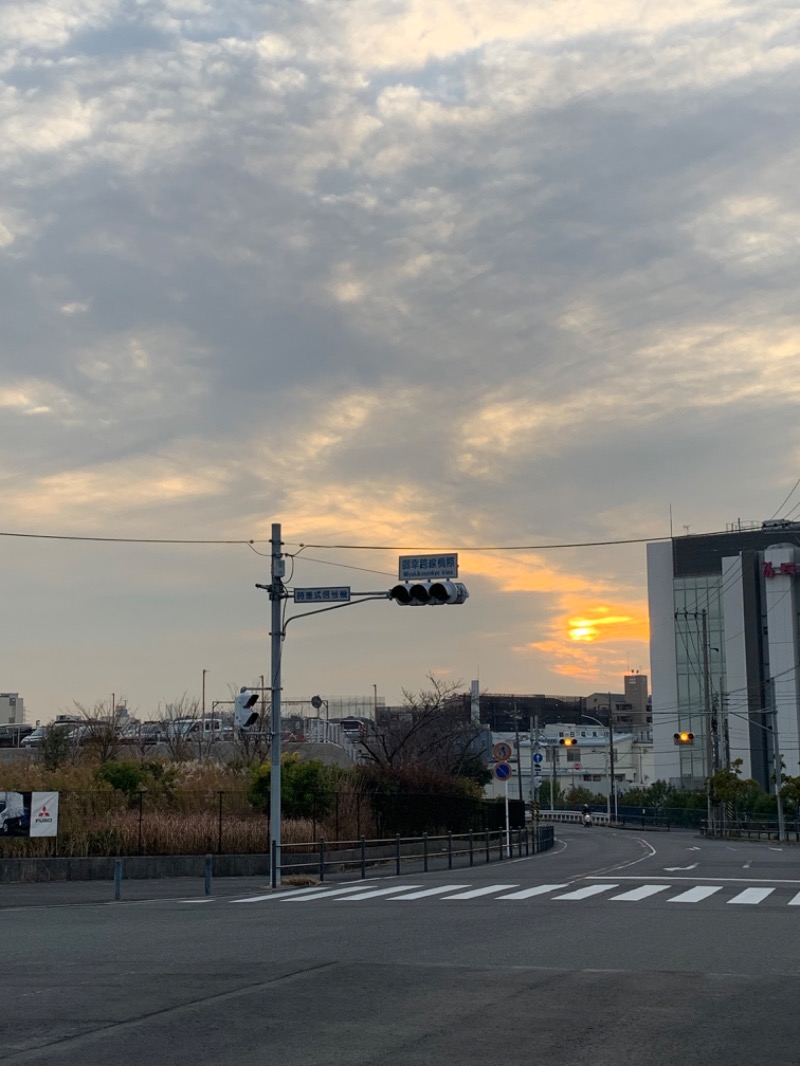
(432, 567)
(332, 594)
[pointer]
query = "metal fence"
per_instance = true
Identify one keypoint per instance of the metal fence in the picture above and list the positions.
(172, 822)
(321, 859)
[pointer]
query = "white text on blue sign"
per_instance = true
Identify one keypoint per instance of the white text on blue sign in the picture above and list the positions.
(414, 567)
(322, 595)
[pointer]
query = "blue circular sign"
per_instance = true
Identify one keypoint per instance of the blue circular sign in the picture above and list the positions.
(538, 757)
(502, 771)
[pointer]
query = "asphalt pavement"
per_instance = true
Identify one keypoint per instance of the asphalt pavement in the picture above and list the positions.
(666, 948)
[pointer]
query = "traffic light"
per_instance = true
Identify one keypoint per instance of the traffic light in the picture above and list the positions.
(568, 741)
(683, 738)
(243, 713)
(428, 593)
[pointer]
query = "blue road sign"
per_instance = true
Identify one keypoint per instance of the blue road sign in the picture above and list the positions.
(337, 594)
(433, 567)
(538, 757)
(502, 771)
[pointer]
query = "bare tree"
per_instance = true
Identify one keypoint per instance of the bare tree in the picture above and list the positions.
(182, 723)
(433, 728)
(99, 730)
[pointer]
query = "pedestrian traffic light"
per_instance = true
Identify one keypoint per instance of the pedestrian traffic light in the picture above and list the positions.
(243, 704)
(683, 738)
(428, 593)
(567, 741)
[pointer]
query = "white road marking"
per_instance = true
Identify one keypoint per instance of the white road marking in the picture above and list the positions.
(694, 895)
(539, 890)
(327, 894)
(673, 869)
(475, 892)
(585, 893)
(752, 895)
(311, 890)
(375, 893)
(642, 893)
(430, 892)
(795, 901)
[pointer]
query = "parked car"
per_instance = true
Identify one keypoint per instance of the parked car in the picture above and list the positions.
(36, 738)
(144, 733)
(11, 736)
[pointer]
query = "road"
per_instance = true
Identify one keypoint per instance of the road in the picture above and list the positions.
(614, 947)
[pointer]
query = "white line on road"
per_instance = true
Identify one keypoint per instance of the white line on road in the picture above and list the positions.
(328, 893)
(672, 869)
(746, 880)
(642, 893)
(539, 890)
(475, 892)
(585, 893)
(430, 892)
(752, 895)
(376, 892)
(694, 895)
(795, 901)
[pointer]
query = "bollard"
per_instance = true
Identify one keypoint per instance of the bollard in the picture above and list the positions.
(117, 879)
(321, 859)
(397, 857)
(207, 874)
(449, 851)
(471, 848)
(363, 858)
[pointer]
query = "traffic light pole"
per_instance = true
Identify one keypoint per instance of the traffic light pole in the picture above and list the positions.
(432, 592)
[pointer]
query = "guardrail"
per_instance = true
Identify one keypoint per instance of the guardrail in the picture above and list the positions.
(753, 831)
(322, 858)
(600, 818)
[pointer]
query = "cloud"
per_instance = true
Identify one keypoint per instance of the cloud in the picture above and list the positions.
(396, 273)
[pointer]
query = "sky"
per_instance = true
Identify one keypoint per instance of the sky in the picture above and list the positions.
(401, 276)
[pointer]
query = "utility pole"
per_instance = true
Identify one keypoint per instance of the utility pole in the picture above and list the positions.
(519, 764)
(276, 595)
(553, 753)
(710, 723)
(612, 784)
(776, 755)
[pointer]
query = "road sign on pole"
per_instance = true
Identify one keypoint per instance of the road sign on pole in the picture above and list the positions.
(415, 567)
(502, 751)
(502, 771)
(330, 594)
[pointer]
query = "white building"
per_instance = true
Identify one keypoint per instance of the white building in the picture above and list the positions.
(724, 637)
(12, 708)
(584, 764)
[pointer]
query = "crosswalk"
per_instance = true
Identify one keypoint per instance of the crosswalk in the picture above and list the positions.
(614, 892)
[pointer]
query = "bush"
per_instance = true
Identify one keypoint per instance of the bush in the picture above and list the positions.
(306, 788)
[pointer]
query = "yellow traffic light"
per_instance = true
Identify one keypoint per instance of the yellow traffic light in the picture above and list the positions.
(568, 741)
(683, 738)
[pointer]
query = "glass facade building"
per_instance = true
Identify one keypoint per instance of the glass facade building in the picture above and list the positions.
(724, 651)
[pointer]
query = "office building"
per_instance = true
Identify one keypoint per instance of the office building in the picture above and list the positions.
(724, 651)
